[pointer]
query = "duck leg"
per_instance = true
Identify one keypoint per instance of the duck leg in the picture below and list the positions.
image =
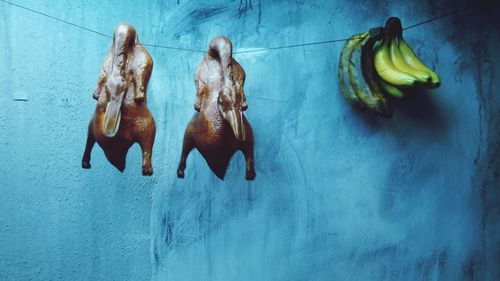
(146, 143)
(88, 146)
(247, 149)
(187, 146)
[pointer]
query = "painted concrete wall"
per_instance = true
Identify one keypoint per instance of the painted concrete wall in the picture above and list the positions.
(338, 196)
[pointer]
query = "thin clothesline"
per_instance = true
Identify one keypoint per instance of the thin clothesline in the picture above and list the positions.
(200, 51)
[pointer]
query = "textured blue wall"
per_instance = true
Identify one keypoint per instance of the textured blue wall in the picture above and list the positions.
(338, 195)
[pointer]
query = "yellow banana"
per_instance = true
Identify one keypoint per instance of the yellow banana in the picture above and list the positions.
(413, 61)
(343, 74)
(390, 89)
(363, 77)
(386, 69)
(400, 63)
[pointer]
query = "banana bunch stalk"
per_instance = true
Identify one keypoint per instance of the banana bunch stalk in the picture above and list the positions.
(377, 62)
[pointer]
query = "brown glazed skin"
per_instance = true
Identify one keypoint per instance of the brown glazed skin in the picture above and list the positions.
(123, 82)
(219, 128)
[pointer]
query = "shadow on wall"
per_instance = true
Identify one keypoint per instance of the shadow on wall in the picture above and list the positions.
(421, 108)
(418, 111)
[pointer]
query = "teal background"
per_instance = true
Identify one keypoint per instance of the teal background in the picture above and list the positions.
(339, 195)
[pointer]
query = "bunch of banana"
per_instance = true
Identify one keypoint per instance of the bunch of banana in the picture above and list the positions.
(379, 61)
(397, 65)
(356, 73)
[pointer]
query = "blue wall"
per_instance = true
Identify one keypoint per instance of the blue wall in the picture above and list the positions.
(338, 196)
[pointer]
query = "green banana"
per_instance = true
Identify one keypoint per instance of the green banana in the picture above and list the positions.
(391, 89)
(386, 69)
(408, 61)
(413, 61)
(343, 75)
(362, 75)
(400, 63)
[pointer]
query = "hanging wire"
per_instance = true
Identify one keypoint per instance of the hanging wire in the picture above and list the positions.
(170, 48)
(94, 31)
(237, 52)
(58, 19)
(431, 19)
(291, 46)
(341, 40)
